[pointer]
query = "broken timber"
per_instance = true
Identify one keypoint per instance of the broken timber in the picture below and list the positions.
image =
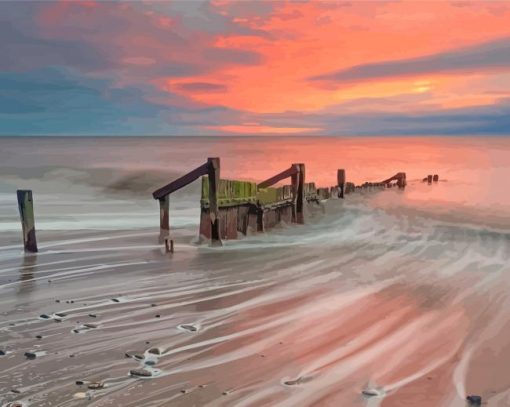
(230, 207)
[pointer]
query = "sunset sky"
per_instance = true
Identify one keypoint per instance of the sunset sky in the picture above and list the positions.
(254, 67)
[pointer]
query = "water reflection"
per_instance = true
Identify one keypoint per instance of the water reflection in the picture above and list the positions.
(27, 269)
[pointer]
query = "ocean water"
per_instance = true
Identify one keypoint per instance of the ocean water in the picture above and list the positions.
(401, 292)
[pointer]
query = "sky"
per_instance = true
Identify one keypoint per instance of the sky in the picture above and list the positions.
(222, 67)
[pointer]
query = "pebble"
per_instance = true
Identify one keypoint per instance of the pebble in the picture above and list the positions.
(133, 355)
(61, 314)
(38, 336)
(372, 393)
(474, 400)
(80, 382)
(95, 386)
(153, 305)
(157, 315)
(188, 327)
(44, 316)
(2, 353)
(16, 391)
(91, 326)
(154, 351)
(30, 355)
(115, 300)
(92, 315)
(140, 373)
(57, 300)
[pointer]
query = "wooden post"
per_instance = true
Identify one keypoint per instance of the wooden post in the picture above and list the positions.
(213, 173)
(26, 212)
(169, 245)
(164, 218)
(435, 178)
(300, 194)
(341, 182)
(429, 179)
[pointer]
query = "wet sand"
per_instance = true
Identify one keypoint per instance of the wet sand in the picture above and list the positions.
(401, 295)
(268, 320)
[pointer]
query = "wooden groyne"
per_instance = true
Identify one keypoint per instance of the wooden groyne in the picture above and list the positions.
(230, 207)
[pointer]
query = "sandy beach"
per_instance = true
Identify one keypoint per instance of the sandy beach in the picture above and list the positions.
(404, 294)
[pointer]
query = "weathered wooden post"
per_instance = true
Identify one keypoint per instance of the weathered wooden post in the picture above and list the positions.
(300, 194)
(429, 179)
(213, 173)
(26, 212)
(164, 218)
(341, 182)
(169, 245)
(435, 178)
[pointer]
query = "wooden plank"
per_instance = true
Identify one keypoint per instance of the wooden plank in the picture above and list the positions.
(231, 223)
(26, 212)
(300, 195)
(164, 217)
(341, 182)
(242, 218)
(205, 223)
(279, 177)
(213, 172)
(182, 181)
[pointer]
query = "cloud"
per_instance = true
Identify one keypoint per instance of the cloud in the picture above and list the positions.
(476, 120)
(59, 101)
(200, 87)
(491, 55)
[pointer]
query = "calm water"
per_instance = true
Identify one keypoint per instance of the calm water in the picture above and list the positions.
(405, 292)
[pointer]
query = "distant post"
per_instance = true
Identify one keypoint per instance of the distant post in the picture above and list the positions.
(213, 173)
(435, 178)
(429, 179)
(300, 194)
(341, 182)
(26, 212)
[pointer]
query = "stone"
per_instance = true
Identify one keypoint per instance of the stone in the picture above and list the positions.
(92, 315)
(154, 351)
(134, 355)
(91, 326)
(38, 336)
(2, 353)
(30, 355)
(80, 382)
(190, 328)
(474, 400)
(115, 300)
(140, 373)
(44, 316)
(371, 392)
(60, 314)
(95, 386)
(158, 316)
